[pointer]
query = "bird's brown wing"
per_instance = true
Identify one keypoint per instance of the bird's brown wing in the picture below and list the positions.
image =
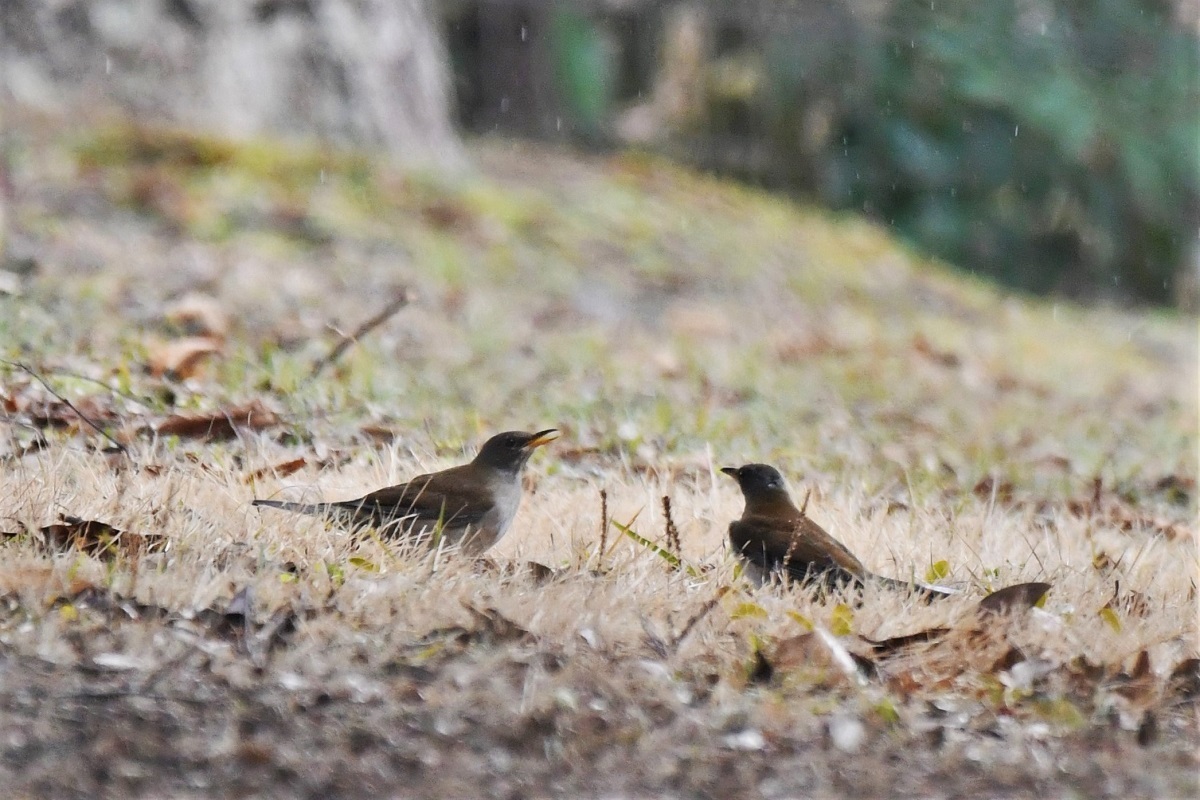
(816, 539)
(426, 500)
(797, 544)
(813, 533)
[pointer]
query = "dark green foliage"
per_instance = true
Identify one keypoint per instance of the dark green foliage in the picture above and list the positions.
(583, 68)
(1053, 146)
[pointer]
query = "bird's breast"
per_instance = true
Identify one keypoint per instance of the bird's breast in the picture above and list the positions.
(507, 494)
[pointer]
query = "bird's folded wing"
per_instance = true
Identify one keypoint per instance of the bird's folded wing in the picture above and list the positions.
(815, 537)
(799, 545)
(420, 501)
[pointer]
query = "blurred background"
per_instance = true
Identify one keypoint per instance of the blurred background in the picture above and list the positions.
(1050, 145)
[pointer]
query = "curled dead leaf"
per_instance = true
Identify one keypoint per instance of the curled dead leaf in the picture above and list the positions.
(180, 359)
(277, 470)
(1017, 597)
(199, 315)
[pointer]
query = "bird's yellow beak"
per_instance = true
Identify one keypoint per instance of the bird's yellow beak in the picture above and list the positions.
(542, 437)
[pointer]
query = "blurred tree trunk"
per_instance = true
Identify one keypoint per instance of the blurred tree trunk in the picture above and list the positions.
(363, 72)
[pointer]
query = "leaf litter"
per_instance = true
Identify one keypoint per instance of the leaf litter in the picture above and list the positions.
(288, 658)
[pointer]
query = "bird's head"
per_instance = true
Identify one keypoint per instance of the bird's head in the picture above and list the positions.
(757, 480)
(510, 450)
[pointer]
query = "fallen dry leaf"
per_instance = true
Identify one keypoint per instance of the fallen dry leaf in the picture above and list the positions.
(990, 487)
(180, 359)
(54, 413)
(379, 433)
(199, 315)
(278, 470)
(223, 424)
(925, 348)
(1054, 461)
(1017, 597)
(1132, 602)
(1123, 516)
(91, 537)
(1128, 519)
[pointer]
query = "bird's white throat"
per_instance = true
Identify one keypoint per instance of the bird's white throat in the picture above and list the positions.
(507, 492)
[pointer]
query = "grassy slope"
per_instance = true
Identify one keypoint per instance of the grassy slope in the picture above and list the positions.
(669, 324)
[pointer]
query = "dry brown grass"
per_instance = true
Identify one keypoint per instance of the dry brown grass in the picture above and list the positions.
(669, 325)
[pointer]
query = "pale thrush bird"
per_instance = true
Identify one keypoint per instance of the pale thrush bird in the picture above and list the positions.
(470, 506)
(773, 537)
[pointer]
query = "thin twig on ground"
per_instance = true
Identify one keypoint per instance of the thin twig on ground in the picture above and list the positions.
(86, 419)
(403, 297)
(699, 615)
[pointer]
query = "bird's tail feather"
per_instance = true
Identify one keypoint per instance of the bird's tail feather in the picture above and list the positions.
(316, 509)
(927, 590)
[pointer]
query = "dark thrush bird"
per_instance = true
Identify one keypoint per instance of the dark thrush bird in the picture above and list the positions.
(470, 506)
(773, 537)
